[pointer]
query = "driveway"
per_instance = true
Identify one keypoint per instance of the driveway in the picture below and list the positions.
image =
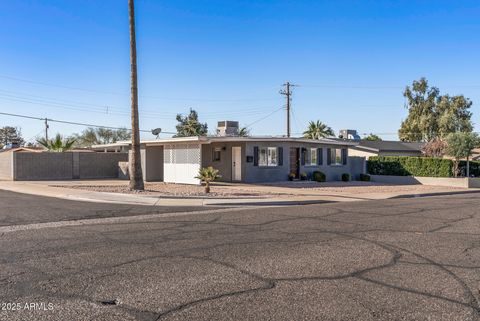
(402, 259)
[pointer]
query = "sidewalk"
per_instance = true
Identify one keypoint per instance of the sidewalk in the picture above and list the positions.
(299, 196)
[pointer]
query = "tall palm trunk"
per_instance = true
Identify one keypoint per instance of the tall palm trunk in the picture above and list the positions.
(136, 177)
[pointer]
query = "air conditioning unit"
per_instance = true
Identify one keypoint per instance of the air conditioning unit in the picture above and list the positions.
(227, 128)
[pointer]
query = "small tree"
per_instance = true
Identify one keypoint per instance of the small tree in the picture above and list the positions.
(10, 134)
(190, 125)
(460, 145)
(373, 137)
(208, 175)
(58, 144)
(434, 148)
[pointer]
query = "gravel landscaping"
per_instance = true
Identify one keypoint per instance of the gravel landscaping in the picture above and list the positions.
(281, 189)
(173, 190)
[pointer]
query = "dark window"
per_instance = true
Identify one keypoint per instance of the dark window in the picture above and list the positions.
(320, 156)
(217, 154)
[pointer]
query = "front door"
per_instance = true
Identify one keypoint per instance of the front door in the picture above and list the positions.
(236, 163)
(295, 161)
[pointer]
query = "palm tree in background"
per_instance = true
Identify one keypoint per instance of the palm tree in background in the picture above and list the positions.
(58, 144)
(135, 168)
(317, 130)
(244, 132)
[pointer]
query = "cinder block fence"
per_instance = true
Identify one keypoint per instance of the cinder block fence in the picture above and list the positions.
(25, 166)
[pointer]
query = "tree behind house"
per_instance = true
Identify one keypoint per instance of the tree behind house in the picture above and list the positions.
(96, 136)
(58, 144)
(317, 130)
(244, 132)
(189, 125)
(434, 148)
(432, 115)
(373, 138)
(10, 134)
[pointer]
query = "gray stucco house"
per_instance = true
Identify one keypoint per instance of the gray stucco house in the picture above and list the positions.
(242, 159)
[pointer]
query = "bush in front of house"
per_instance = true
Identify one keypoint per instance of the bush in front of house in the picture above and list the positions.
(319, 176)
(303, 176)
(345, 177)
(364, 177)
(409, 166)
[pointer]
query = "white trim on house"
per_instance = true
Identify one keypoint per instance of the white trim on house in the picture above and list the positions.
(217, 139)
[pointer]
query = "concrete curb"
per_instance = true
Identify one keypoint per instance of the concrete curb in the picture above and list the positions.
(151, 200)
(433, 194)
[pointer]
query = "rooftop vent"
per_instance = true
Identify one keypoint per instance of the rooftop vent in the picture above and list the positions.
(227, 128)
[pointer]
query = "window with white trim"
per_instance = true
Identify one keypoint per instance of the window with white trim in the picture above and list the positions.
(336, 156)
(268, 156)
(313, 157)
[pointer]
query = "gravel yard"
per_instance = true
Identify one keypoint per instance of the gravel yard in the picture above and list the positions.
(174, 190)
(281, 189)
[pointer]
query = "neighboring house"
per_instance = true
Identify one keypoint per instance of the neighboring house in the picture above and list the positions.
(242, 159)
(476, 154)
(365, 148)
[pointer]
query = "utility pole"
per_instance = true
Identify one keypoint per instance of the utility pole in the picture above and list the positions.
(287, 94)
(46, 129)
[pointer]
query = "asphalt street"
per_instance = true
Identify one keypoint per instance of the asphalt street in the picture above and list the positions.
(402, 259)
(16, 208)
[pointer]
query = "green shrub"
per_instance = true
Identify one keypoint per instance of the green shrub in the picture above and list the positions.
(319, 176)
(345, 177)
(364, 177)
(416, 166)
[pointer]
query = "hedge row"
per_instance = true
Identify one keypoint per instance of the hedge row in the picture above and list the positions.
(417, 166)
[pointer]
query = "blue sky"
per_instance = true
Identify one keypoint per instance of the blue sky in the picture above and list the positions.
(69, 60)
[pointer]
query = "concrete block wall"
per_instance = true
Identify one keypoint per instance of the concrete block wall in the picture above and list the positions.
(6, 166)
(64, 166)
(42, 166)
(99, 165)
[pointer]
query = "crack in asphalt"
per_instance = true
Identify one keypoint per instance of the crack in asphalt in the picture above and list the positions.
(193, 230)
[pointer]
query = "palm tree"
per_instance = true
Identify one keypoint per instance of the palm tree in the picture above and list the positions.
(244, 132)
(317, 130)
(58, 144)
(136, 177)
(207, 175)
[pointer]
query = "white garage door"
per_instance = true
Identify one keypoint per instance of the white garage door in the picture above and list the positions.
(181, 163)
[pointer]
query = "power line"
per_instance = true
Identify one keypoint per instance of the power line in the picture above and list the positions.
(81, 106)
(127, 94)
(74, 123)
(259, 120)
(377, 86)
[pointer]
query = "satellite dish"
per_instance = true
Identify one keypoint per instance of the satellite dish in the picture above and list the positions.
(156, 131)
